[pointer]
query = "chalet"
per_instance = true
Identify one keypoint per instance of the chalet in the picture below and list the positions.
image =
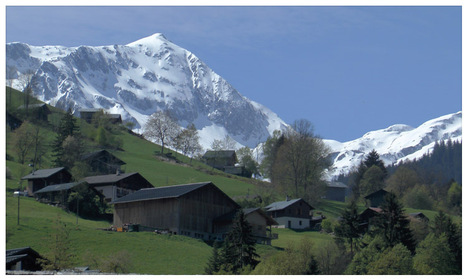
(103, 162)
(337, 191)
(220, 159)
(376, 198)
(58, 194)
(367, 217)
(39, 111)
(117, 185)
(187, 210)
(88, 114)
(259, 221)
(41, 178)
(25, 259)
(12, 121)
(291, 213)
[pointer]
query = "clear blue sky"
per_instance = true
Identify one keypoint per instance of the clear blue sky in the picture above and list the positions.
(348, 70)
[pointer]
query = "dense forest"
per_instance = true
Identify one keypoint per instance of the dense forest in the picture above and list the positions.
(432, 182)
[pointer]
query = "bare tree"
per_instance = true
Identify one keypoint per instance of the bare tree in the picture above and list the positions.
(162, 128)
(187, 141)
(300, 162)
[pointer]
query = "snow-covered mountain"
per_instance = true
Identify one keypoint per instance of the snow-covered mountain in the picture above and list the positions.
(396, 143)
(138, 79)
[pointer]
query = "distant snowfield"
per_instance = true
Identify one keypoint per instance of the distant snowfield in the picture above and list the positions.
(396, 143)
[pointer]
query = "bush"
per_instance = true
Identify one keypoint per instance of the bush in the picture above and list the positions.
(327, 226)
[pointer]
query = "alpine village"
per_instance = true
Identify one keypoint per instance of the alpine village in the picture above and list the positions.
(87, 195)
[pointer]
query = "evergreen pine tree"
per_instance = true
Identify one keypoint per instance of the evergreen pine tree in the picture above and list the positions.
(443, 224)
(67, 127)
(348, 227)
(239, 249)
(214, 261)
(393, 225)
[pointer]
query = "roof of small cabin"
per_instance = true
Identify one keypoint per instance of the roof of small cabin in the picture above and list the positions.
(109, 178)
(279, 205)
(14, 255)
(60, 187)
(33, 106)
(418, 215)
(219, 154)
(376, 193)
(102, 152)
(164, 192)
(336, 185)
(43, 173)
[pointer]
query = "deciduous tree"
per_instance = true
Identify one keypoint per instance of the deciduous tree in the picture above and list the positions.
(162, 128)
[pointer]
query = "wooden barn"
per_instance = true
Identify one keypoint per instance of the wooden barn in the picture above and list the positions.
(291, 213)
(103, 162)
(45, 177)
(337, 191)
(117, 185)
(187, 210)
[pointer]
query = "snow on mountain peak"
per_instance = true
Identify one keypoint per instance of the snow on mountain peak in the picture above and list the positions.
(140, 78)
(396, 143)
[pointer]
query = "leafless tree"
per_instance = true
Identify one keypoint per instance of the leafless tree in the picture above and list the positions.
(162, 128)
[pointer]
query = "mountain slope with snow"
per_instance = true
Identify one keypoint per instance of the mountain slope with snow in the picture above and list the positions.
(396, 143)
(138, 79)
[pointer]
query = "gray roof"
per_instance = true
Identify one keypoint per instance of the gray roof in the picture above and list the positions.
(43, 173)
(102, 152)
(161, 192)
(31, 106)
(279, 205)
(59, 187)
(108, 179)
(336, 184)
(219, 154)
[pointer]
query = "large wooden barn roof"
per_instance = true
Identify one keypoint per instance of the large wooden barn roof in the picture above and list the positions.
(161, 192)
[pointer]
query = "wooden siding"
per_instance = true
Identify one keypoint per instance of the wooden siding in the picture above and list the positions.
(157, 214)
(200, 207)
(191, 215)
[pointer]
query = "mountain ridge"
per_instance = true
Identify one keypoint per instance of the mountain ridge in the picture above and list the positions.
(140, 78)
(395, 143)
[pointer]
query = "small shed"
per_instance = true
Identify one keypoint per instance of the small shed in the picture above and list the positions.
(25, 259)
(337, 191)
(291, 213)
(38, 111)
(41, 178)
(103, 162)
(117, 185)
(376, 198)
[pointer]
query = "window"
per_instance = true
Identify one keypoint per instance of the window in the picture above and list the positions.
(300, 222)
